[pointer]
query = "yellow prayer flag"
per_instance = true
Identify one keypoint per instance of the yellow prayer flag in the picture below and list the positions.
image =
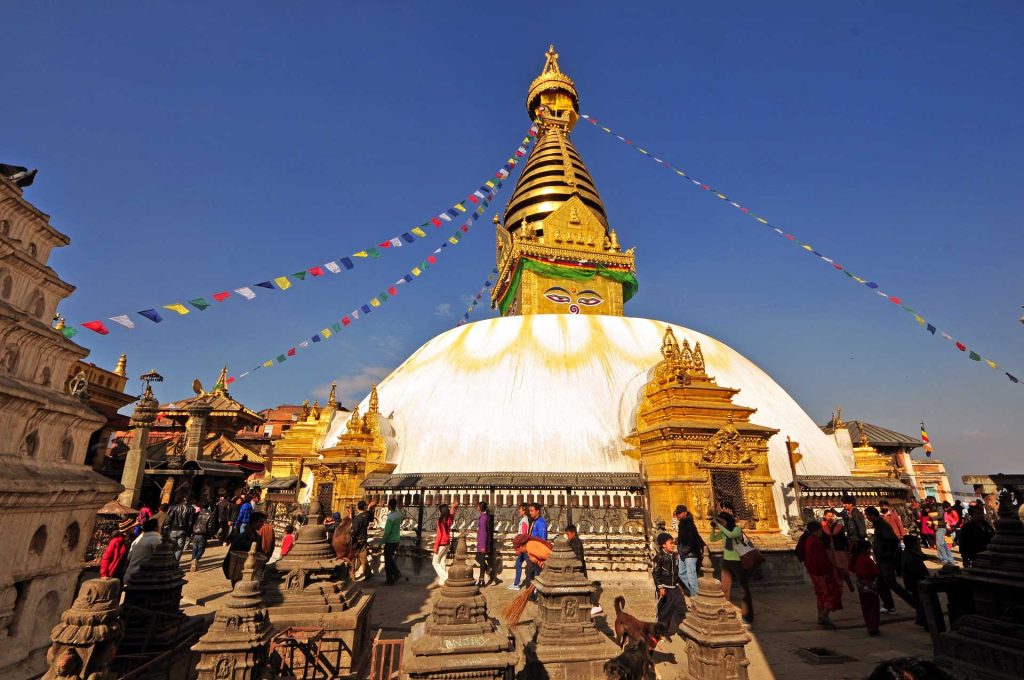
(858, 279)
(806, 247)
(605, 129)
(453, 240)
(489, 183)
(680, 173)
(283, 283)
(416, 271)
(361, 253)
(419, 232)
(721, 196)
(761, 220)
(177, 307)
(268, 364)
(460, 207)
(991, 364)
(326, 333)
(918, 318)
(375, 302)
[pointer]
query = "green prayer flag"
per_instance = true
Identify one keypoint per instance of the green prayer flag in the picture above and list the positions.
(336, 327)
(69, 332)
(199, 303)
(383, 297)
(301, 276)
(281, 358)
(975, 356)
(373, 252)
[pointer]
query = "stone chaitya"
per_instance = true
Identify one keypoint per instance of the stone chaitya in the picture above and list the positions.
(236, 645)
(88, 634)
(715, 637)
(310, 588)
(986, 606)
(568, 646)
(153, 619)
(459, 639)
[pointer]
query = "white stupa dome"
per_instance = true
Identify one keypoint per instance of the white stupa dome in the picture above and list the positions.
(558, 393)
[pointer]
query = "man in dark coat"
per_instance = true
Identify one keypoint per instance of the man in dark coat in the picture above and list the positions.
(671, 606)
(690, 545)
(975, 534)
(853, 520)
(360, 538)
(887, 554)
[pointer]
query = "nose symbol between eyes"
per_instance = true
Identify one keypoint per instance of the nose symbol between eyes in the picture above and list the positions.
(574, 309)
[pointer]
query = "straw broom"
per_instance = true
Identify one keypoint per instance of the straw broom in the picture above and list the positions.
(513, 611)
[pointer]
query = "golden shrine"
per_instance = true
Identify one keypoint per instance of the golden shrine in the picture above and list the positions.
(303, 439)
(697, 447)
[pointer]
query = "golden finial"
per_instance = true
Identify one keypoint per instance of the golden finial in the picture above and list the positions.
(669, 346)
(864, 439)
(60, 324)
(374, 402)
(315, 413)
(686, 355)
(551, 65)
(837, 418)
(698, 358)
(222, 381)
(355, 422)
(122, 365)
(615, 241)
(331, 399)
(553, 91)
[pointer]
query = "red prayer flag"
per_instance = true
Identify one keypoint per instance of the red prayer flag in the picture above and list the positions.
(346, 321)
(960, 346)
(386, 244)
(291, 352)
(472, 199)
(231, 380)
(97, 326)
(464, 228)
(436, 222)
(431, 259)
(392, 290)
(316, 271)
(221, 297)
(895, 300)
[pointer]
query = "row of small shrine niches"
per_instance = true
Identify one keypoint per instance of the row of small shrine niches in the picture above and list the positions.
(596, 499)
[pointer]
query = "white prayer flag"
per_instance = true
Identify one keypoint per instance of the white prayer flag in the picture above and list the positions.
(333, 267)
(123, 320)
(246, 293)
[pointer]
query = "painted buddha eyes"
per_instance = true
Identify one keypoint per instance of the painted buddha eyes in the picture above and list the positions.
(561, 296)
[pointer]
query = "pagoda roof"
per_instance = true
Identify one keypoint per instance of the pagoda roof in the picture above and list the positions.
(845, 483)
(876, 435)
(219, 400)
(219, 448)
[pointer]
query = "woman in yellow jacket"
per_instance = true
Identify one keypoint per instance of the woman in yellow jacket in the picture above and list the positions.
(724, 527)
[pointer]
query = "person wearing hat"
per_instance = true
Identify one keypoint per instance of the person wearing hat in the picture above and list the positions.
(115, 557)
(671, 605)
(690, 546)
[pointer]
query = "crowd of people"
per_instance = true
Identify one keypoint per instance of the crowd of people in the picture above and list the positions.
(838, 551)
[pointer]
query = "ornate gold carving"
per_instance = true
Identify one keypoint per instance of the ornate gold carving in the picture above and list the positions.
(374, 401)
(323, 474)
(726, 449)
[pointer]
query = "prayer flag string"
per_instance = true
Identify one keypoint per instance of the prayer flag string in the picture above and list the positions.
(896, 300)
(475, 204)
(373, 303)
(476, 299)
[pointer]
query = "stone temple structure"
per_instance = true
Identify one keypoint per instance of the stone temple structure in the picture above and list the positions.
(609, 421)
(459, 639)
(309, 588)
(85, 640)
(48, 496)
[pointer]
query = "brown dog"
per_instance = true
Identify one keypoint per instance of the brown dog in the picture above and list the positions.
(628, 627)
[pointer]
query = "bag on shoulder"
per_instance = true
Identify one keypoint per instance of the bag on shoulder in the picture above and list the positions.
(750, 557)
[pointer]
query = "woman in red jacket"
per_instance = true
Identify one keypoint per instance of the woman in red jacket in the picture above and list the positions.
(827, 592)
(115, 557)
(443, 540)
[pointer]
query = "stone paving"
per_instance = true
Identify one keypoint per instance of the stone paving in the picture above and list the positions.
(785, 622)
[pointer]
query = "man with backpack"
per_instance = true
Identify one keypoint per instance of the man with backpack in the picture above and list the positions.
(204, 527)
(180, 517)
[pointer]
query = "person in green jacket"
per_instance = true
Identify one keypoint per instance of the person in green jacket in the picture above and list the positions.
(392, 537)
(724, 527)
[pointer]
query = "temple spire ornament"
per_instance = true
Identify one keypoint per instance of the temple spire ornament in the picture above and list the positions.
(122, 365)
(374, 406)
(332, 400)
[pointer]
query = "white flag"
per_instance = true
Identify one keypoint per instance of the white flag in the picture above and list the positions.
(123, 320)
(333, 267)
(304, 344)
(354, 314)
(396, 242)
(246, 293)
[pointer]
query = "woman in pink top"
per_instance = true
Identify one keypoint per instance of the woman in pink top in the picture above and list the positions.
(443, 540)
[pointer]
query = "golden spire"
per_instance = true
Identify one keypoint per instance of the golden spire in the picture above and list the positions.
(698, 358)
(669, 346)
(837, 418)
(355, 423)
(374, 406)
(554, 171)
(331, 399)
(686, 354)
(122, 365)
(222, 382)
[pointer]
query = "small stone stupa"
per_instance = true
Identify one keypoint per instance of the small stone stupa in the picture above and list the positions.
(568, 644)
(715, 637)
(987, 640)
(459, 639)
(154, 593)
(236, 645)
(310, 588)
(88, 634)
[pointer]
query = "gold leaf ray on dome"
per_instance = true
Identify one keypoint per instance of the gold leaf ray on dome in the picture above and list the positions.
(554, 171)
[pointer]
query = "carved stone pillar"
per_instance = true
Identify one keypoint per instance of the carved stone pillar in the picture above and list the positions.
(236, 646)
(88, 634)
(459, 637)
(195, 430)
(568, 644)
(715, 637)
(135, 463)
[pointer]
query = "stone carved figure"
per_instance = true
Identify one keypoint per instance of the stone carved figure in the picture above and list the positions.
(85, 639)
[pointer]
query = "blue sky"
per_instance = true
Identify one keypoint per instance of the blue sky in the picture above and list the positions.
(189, 148)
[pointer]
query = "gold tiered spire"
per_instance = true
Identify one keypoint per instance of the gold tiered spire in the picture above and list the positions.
(556, 251)
(122, 365)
